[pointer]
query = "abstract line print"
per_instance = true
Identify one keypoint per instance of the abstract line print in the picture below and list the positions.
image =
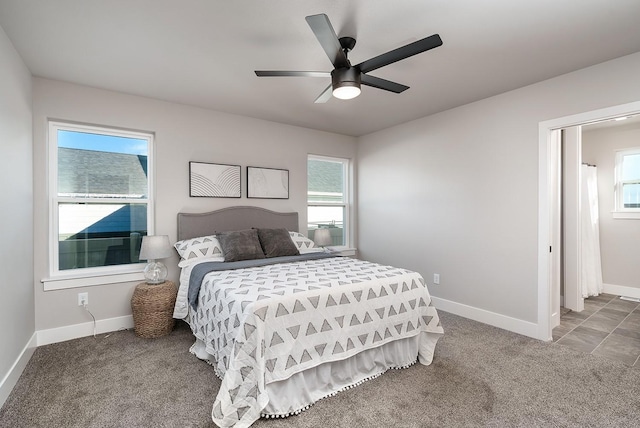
(214, 180)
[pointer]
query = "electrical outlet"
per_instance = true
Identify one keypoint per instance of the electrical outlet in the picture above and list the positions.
(83, 299)
(436, 278)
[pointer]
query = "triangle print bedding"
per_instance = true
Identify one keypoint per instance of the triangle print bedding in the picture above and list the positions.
(266, 323)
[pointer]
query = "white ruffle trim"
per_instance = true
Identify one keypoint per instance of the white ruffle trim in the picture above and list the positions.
(331, 394)
(192, 349)
(334, 393)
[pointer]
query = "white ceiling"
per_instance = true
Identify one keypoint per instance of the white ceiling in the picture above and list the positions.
(204, 52)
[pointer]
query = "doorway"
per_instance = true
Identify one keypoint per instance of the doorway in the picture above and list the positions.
(548, 176)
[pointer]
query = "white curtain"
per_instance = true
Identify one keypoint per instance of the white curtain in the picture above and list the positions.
(591, 275)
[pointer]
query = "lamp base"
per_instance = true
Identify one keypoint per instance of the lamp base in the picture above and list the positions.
(155, 273)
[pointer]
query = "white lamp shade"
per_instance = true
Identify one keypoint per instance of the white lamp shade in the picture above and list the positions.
(155, 247)
(322, 237)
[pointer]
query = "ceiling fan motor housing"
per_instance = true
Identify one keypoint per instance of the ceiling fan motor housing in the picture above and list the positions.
(345, 76)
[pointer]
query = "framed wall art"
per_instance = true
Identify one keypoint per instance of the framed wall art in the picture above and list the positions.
(212, 180)
(267, 183)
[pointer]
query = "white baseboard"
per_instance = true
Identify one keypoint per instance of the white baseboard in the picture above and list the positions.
(621, 290)
(504, 322)
(61, 334)
(9, 381)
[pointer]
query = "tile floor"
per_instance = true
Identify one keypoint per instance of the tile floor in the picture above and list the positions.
(608, 327)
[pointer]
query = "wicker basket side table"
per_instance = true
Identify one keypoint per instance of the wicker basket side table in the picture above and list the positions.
(152, 306)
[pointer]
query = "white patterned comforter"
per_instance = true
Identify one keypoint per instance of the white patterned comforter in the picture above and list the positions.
(264, 324)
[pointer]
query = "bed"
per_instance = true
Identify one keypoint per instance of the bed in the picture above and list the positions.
(283, 331)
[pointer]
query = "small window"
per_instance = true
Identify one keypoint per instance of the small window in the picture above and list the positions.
(627, 186)
(100, 193)
(328, 198)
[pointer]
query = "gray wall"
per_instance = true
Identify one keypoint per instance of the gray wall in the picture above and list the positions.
(16, 215)
(456, 193)
(182, 134)
(618, 237)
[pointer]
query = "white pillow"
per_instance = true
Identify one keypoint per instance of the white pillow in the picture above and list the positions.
(304, 244)
(204, 247)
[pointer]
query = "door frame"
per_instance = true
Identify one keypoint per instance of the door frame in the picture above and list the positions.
(545, 223)
(555, 223)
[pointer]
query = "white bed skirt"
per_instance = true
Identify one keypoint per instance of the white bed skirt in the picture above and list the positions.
(297, 393)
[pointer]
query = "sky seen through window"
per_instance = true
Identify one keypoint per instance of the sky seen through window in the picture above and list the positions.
(101, 143)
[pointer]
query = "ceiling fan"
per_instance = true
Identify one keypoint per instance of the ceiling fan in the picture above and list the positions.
(346, 78)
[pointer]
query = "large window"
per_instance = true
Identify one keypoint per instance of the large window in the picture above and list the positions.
(328, 198)
(628, 181)
(100, 193)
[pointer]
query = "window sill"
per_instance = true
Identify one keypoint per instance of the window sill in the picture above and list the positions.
(626, 215)
(64, 282)
(343, 251)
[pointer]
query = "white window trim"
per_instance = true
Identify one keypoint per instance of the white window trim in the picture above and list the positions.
(83, 277)
(620, 212)
(346, 249)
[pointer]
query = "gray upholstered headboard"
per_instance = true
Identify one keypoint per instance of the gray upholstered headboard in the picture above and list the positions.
(233, 218)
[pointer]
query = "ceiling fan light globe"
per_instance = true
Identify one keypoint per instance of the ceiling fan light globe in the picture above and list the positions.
(346, 92)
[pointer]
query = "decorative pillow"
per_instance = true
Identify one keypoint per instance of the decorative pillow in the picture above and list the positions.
(240, 245)
(277, 243)
(304, 244)
(199, 248)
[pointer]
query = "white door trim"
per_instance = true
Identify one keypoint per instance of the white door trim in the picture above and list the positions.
(555, 229)
(544, 222)
(571, 205)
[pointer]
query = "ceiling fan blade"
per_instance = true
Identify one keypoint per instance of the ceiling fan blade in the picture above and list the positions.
(325, 95)
(324, 32)
(379, 83)
(400, 53)
(275, 73)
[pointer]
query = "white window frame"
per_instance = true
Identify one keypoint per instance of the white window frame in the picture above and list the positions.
(71, 278)
(620, 211)
(346, 204)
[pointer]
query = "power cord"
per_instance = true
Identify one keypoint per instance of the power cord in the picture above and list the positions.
(94, 324)
(94, 320)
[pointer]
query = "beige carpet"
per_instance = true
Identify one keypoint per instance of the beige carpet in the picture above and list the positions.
(481, 376)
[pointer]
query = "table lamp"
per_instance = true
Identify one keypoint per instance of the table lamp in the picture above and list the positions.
(154, 248)
(322, 237)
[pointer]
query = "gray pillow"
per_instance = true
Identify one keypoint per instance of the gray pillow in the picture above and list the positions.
(277, 243)
(240, 245)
